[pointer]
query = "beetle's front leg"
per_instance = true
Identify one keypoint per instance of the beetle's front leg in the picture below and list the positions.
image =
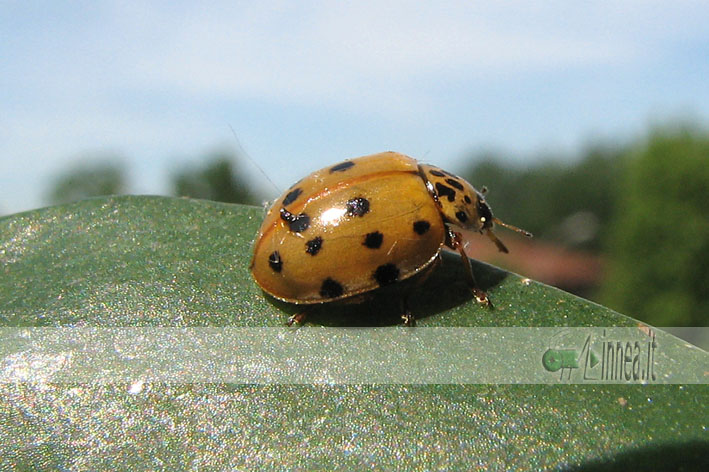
(454, 240)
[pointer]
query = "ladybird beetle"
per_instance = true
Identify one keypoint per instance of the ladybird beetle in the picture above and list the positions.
(366, 223)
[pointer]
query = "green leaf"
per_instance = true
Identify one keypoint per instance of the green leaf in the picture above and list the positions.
(151, 261)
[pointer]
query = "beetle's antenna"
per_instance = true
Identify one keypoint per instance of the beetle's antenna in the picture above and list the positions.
(499, 243)
(500, 246)
(243, 152)
(513, 228)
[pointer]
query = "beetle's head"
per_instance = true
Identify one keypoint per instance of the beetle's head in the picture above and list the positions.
(462, 205)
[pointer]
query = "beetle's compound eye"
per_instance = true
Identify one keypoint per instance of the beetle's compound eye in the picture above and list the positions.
(484, 213)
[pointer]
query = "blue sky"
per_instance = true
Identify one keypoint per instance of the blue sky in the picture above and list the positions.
(307, 83)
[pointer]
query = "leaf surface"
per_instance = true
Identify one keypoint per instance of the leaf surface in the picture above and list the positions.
(155, 261)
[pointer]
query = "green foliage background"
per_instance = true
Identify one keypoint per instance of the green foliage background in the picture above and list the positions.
(538, 197)
(95, 176)
(218, 180)
(651, 200)
(658, 243)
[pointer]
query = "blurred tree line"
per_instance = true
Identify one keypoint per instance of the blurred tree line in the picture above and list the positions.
(562, 200)
(97, 175)
(658, 239)
(218, 179)
(644, 206)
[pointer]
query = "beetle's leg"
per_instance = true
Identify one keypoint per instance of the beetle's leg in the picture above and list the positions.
(409, 319)
(297, 318)
(455, 241)
(406, 315)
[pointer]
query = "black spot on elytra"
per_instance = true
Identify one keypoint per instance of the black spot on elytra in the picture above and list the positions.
(444, 191)
(357, 206)
(386, 274)
(421, 227)
(468, 200)
(454, 183)
(462, 216)
(296, 223)
(373, 240)
(275, 261)
(292, 196)
(313, 246)
(437, 173)
(331, 288)
(342, 166)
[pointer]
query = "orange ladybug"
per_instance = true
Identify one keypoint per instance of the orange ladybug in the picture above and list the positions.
(365, 223)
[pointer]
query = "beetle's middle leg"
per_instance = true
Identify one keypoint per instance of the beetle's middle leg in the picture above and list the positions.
(406, 315)
(454, 240)
(298, 318)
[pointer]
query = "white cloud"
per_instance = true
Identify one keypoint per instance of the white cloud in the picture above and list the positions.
(361, 50)
(360, 55)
